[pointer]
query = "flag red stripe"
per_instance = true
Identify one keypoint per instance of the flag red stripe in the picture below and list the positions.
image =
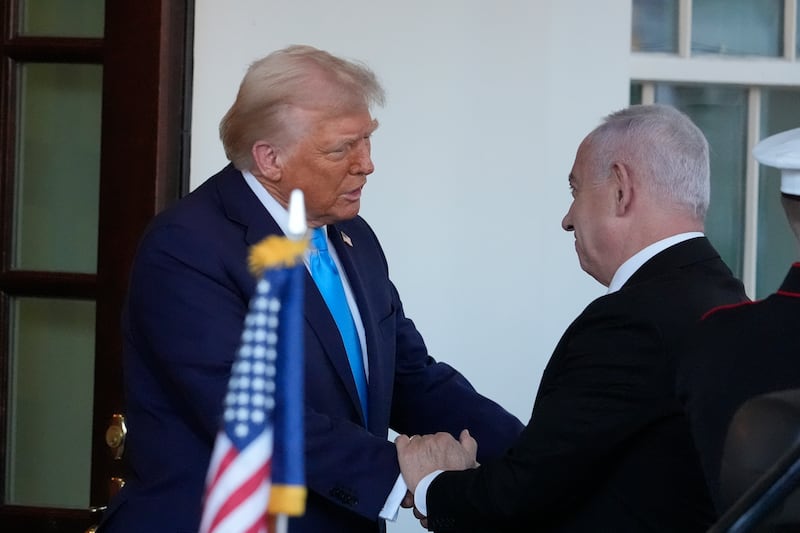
(223, 465)
(238, 480)
(260, 526)
(244, 491)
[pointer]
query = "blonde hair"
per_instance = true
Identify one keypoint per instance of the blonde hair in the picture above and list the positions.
(297, 76)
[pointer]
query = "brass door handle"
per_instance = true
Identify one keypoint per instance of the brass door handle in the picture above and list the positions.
(115, 435)
(95, 510)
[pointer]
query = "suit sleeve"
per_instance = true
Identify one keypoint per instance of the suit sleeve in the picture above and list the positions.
(417, 395)
(590, 402)
(429, 396)
(432, 396)
(185, 317)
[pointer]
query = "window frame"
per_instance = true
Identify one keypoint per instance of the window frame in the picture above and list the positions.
(754, 73)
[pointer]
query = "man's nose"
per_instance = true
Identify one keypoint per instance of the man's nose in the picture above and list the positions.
(362, 162)
(566, 222)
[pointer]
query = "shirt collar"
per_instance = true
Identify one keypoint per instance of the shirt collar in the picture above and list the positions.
(276, 210)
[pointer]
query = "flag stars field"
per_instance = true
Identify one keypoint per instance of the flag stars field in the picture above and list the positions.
(262, 410)
(252, 383)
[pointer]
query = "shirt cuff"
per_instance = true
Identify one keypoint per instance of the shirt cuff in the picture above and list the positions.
(421, 493)
(393, 501)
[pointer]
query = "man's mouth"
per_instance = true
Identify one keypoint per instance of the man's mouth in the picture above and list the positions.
(353, 195)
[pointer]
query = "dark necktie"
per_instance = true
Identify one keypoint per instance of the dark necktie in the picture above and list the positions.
(326, 276)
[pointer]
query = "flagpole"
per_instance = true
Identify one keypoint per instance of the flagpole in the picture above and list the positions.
(261, 437)
(297, 216)
(297, 228)
(281, 523)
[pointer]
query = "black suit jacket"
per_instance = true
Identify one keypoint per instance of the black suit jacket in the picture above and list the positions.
(607, 447)
(734, 354)
(182, 323)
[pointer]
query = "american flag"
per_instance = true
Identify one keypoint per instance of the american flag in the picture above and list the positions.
(258, 455)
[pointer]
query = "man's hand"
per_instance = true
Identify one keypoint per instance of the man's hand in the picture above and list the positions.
(421, 455)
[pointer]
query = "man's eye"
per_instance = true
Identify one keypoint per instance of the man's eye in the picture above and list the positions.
(341, 149)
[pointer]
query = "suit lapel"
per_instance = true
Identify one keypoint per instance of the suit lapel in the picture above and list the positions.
(321, 321)
(242, 206)
(345, 246)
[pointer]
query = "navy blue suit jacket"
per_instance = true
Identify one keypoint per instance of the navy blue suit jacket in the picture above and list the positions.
(188, 296)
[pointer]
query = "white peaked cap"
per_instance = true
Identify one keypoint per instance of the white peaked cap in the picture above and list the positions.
(782, 151)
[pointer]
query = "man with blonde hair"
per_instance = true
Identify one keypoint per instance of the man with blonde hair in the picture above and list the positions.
(301, 120)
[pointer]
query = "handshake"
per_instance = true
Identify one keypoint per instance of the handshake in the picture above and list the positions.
(421, 455)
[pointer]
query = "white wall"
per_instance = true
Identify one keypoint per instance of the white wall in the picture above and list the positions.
(486, 104)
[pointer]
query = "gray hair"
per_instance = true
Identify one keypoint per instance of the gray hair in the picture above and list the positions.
(663, 147)
(297, 76)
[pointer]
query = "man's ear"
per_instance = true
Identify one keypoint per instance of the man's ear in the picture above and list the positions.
(267, 160)
(623, 187)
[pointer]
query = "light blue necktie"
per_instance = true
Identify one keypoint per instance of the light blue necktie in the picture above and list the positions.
(326, 276)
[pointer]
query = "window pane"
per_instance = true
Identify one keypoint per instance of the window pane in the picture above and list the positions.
(636, 93)
(721, 113)
(58, 167)
(655, 26)
(50, 402)
(737, 27)
(61, 18)
(777, 247)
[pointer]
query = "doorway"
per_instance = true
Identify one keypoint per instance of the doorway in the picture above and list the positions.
(95, 98)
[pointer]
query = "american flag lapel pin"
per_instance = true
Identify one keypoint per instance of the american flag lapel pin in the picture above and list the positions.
(346, 239)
